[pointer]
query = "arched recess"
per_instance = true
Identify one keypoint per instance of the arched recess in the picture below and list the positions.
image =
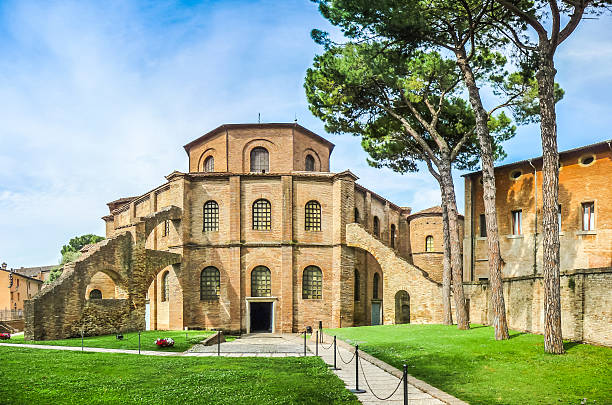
(259, 143)
(210, 152)
(108, 283)
(164, 303)
(314, 155)
(402, 307)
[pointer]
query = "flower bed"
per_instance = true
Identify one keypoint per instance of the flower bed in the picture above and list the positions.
(5, 336)
(165, 342)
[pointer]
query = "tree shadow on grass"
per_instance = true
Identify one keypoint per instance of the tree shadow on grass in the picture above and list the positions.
(516, 334)
(472, 326)
(569, 345)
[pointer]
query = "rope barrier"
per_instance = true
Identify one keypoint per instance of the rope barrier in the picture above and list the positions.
(372, 391)
(345, 362)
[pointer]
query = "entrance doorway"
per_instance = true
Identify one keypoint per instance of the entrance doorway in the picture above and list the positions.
(375, 313)
(261, 316)
(402, 307)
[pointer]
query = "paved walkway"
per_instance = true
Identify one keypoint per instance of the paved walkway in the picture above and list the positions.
(256, 345)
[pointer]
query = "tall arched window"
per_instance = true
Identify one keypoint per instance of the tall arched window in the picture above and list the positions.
(376, 227)
(260, 282)
(429, 244)
(310, 163)
(356, 292)
(165, 287)
(393, 235)
(375, 286)
(209, 164)
(262, 215)
(260, 160)
(211, 216)
(210, 283)
(356, 215)
(312, 283)
(95, 294)
(313, 216)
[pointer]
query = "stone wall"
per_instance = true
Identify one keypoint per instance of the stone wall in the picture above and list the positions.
(586, 304)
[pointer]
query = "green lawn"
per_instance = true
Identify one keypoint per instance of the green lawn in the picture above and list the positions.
(130, 340)
(472, 366)
(38, 376)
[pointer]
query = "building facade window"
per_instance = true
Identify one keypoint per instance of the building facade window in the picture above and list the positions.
(356, 293)
(392, 236)
(210, 283)
(356, 215)
(313, 216)
(483, 226)
(211, 216)
(312, 283)
(588, 216)
(209, 164)
(517, 222)
(376, 223)
(310, 163)
(165, 287)
(166, 230)
(429, 246)
(261, 285)
(262, 215)
(260, 160)
(95, 294)
(375, 286)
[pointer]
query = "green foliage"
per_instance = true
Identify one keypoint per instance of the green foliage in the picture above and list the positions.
(78, 242)
(65, 377)
(474, 367)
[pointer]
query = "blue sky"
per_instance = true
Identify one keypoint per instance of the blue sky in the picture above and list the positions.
(99, 97)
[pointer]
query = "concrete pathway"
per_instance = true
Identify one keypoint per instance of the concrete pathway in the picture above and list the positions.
(256, 345)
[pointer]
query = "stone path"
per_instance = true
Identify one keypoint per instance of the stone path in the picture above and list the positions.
(256, 345)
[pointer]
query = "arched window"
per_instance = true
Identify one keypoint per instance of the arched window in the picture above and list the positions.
(312, 283)
(375, 286)
(95, 294)
(165, 287)
(260, 282)
(429, 244)
(310, 163)
(356, 293)
(210, 284)
(209, 164)
(356, 215)
(393, 235)
(376, 227)
(262, 215)
(313, 216)
(260, 160)
(211, 216)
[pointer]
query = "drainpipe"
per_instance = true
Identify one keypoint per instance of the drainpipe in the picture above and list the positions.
(535, 236)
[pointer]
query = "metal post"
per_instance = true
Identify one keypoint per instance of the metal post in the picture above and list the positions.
(335, 367)
(304, 343)
(321, 330)
(138, 342)
(357, 390)
(82, 343)
(317, 345)
(218, 343)
(405, 384)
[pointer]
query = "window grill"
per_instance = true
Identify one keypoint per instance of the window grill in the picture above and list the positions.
(312, 283)
(313, 216)
(262, 215)
(211, 216)
(429, 244)
(310, 163)
(260, 162)
(210, 284)
(261, 285)
(209, 164)
(166, 230)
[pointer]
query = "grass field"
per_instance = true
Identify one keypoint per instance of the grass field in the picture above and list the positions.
(38, 376)
(472, 366)
(130, 340)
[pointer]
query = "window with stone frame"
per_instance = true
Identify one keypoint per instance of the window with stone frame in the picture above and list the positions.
(517, 222)
(210, 283)
(313, 216)
(209, 164)
(429, 243)
(356, 291)
(261, 285)
(375, 286)
(310, 163)
(483, 226)
(211, 216)
(312, 283)
(165, 287)
(376, 223)
(392, 238)
(260, 160)
(588, 216)
(262, 215)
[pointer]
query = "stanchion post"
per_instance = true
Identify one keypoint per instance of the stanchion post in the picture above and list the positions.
(304, 343)
(405, 384)
(317, 344)
(356, 390)
(218, 343)
(138, 342)
(82, 343)
(335, 366)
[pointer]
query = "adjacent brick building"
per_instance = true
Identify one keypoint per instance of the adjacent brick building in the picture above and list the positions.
(15, 288)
